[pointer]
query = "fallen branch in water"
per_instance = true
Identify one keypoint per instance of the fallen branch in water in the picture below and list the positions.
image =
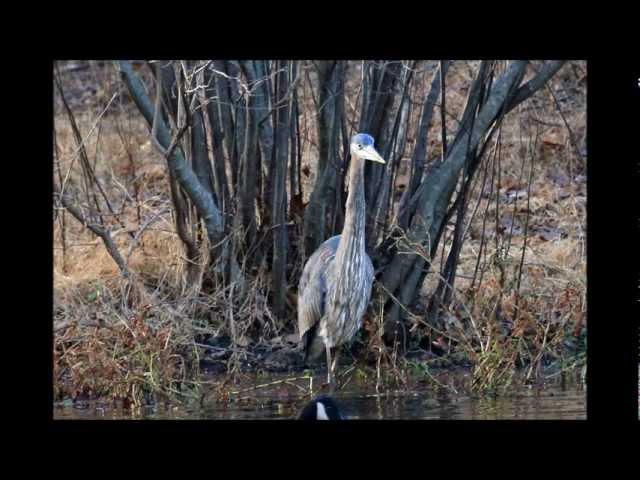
(234, 350)
(276, 382)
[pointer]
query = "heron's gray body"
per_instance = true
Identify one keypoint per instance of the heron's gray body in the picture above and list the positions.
(335, 286)
(331, 311)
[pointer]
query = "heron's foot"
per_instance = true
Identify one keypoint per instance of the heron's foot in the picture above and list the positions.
(331, 385)
(328, 387)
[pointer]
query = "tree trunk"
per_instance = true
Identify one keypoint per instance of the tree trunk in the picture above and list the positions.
(434, 194)
(280, 243)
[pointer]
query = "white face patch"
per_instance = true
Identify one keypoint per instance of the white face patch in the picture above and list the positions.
(321, 413)
(354, 149)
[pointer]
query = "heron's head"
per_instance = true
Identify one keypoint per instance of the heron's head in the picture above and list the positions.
(362, 146)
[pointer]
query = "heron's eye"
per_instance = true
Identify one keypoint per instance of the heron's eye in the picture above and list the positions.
(360, 146)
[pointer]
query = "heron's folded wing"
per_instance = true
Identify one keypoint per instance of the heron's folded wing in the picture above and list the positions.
(313, 285)
(310, 305)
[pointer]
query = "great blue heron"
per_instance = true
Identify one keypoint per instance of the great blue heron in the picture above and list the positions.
(321, 408)
(335, 286)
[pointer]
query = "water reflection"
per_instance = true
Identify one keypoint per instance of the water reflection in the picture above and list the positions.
(559, 401)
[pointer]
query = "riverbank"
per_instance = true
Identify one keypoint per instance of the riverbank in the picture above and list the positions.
(518, 302)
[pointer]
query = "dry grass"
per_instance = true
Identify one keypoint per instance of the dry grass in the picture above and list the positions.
(499, 323)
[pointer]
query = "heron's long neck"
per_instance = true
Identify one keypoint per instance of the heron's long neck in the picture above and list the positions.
(353, 233)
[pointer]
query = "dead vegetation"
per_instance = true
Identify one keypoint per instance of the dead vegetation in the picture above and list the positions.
(517, 300)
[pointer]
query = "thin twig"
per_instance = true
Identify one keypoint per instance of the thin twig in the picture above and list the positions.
(264, 385)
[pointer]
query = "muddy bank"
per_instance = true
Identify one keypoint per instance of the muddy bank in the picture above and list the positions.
(285, 357)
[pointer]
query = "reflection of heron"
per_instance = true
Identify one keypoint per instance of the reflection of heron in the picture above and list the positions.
(321, 408)
(335, 285)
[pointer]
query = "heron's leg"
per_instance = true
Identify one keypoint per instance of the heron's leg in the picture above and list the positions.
(334, 365)
(329, 375)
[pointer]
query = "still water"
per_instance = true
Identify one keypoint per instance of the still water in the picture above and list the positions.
(558, 400)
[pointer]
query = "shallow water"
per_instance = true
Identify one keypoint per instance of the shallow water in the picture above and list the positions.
(559, 400)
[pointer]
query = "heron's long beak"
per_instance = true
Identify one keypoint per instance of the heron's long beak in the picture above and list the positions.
(369, 153)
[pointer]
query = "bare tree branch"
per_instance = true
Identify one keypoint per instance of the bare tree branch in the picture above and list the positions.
(97, 229)
(206, 207)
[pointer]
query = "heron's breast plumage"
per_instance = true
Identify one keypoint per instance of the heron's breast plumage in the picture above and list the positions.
(346, 299)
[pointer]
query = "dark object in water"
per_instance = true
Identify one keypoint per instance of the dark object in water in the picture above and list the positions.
(321, 408)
